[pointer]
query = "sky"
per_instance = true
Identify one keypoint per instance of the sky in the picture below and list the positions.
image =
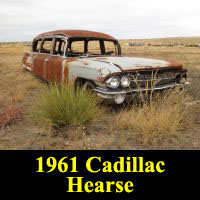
(22, 20)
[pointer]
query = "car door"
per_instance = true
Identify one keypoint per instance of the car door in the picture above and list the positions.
(53, 65)
(40, 59)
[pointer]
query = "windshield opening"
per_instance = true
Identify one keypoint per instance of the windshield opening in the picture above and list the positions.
(92, 47)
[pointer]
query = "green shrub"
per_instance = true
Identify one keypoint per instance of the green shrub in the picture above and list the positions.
(63, 105)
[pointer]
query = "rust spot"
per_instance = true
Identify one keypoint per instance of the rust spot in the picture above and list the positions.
(66, 72)
(174, 63)
(100, 79)
(68, 60)
(73, 78)
(104, 72)
(53, 69)
(38, 65)
(102, 58)
(27, 60)
(66, 67)
(154, 68)
(26, 55)
(85, 63)
(78, 33)
(137, 65)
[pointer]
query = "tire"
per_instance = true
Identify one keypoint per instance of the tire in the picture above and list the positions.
(87, 86)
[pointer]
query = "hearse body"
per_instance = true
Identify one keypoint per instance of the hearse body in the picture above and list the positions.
(94, 60)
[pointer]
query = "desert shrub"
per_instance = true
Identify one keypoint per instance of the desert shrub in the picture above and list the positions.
(9, 115)
(167, 113)
(63, 105)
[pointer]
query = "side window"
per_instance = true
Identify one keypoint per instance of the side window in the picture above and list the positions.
(77, 47)
(94, 47)
(110, 48)
(59, 47)
(46, 46)
(36, 45)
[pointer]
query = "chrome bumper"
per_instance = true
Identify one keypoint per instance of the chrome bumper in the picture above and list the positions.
(111, 94)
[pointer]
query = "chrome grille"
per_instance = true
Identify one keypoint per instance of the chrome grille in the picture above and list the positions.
(150, 79)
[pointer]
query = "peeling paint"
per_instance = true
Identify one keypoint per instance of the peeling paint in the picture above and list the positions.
(85, 63)
(78, 33)
(104, 72)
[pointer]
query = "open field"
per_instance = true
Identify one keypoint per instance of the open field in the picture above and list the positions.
(18, 94)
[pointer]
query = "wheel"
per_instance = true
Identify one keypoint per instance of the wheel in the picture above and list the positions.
(87, 86)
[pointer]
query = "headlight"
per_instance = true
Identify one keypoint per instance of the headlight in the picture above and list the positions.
(113, 82)
(125, 82)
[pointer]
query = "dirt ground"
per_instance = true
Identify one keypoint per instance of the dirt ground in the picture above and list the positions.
(19, 88)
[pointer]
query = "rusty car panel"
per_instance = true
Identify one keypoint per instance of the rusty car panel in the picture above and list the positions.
(78, 33)
(53, 68)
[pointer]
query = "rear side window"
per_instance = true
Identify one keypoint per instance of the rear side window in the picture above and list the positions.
(46, 46)
(36, 45)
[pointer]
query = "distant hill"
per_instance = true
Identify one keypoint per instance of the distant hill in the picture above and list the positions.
(24, 42)
(168, 40)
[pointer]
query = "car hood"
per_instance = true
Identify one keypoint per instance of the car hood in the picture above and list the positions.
(134, 63)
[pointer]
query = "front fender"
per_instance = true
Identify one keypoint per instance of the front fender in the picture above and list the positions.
(88, 69)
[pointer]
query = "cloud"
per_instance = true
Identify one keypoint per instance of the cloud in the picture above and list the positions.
(23, 20)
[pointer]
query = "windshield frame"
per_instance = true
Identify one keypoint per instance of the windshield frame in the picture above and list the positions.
(70, 40)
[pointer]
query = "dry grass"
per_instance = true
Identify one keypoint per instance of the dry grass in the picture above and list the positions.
(164, 115)
(9, 115)
(15, 86)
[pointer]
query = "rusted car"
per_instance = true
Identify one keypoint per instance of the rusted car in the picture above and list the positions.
(93, 60)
